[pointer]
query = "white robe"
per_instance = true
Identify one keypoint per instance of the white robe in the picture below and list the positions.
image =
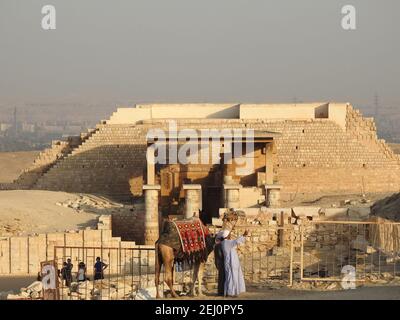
(234, 280)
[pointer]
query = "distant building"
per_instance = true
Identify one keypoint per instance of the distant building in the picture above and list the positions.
(53, 128)
(28, 127)
(5, 126)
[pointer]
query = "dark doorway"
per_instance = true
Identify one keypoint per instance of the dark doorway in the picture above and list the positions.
(212, 196)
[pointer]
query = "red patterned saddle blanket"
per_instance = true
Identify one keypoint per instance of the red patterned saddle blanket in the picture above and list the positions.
(192, 234)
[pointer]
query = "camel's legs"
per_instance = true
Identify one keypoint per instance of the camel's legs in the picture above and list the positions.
(158, 271)
(169, 270)
(200, 272)
(194, 278)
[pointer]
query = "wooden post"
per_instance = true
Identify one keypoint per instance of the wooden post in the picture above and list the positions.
(281, 233)
(301, 252)
(291, 257)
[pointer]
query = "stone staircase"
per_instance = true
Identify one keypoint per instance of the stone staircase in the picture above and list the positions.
(49, 158)
(110, 162)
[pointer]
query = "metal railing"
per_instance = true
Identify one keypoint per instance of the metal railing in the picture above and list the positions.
(332, 248)
(128, 270)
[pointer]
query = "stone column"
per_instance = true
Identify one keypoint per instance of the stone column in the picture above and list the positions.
(272, 195)
(151, 219)
(192, 199)
(150, 165)
(232, 195)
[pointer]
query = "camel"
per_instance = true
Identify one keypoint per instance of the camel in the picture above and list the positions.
(169, 247)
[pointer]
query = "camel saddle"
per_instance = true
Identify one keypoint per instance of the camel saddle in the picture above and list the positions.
(187, 238)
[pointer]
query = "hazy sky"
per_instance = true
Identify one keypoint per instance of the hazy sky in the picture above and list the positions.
(203, 50)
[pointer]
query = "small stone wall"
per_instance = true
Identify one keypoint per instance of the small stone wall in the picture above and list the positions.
(22, 255)
(129, 226)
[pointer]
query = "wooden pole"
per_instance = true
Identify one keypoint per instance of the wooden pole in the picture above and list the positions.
(301, 252)
(291, 258)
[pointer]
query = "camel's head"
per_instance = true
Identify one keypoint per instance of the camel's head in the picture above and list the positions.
(232, 215)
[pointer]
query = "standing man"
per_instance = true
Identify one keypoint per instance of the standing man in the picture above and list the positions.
(68, 272)
(99, 268)
(219, 260)
(234, 280)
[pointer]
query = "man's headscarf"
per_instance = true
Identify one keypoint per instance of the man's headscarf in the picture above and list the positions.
(222, 234)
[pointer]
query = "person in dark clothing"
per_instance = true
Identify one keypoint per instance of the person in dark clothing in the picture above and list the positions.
(66, 272)
(219, 260)
(99, 268)
(63, 272)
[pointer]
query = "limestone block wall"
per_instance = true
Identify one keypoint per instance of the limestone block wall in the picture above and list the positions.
(130, 226)
(266, 227)
(181, 110)
(43, 162)
(313, 156)
(364, 130)
(22, 255)
(251, 197)
(111, 162)
(300, 111)
(47, 158)
(279, 111)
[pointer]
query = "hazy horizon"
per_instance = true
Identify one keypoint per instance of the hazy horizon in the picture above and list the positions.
(186, 51)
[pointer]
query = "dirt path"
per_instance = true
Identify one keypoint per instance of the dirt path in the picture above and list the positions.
(361, 293)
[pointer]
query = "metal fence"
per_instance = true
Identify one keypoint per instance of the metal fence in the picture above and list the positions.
(128, 270)
(131, 269)
(262, 259)
(316, 251)
(332, 249)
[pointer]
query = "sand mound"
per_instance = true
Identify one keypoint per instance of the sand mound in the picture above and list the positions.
(13, 163)
(25, 212)
(388, 208)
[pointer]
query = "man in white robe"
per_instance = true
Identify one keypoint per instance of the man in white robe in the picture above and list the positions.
(234, 280)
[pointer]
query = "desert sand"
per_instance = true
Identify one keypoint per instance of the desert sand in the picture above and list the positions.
(25, 212)
(13, 163)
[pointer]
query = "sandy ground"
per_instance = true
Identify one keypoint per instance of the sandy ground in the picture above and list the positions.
(31, 211)
(372, 292)
(362, 293)
(13, 163)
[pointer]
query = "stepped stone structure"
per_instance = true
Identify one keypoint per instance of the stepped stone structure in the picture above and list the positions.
(308, 148)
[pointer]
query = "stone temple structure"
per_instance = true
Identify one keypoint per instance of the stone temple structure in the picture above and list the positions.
(309, 148)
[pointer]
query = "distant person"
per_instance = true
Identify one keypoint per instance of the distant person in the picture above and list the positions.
(99, 268)
(66, 272)
(63, 273)
(234, 280)
(81, 274)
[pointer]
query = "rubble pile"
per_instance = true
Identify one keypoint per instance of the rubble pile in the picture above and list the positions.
(32, 292)
(92, 204)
